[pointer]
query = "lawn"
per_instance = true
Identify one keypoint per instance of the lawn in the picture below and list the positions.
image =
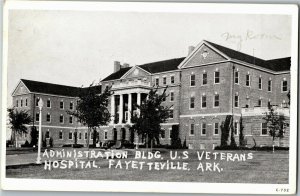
(265, 167)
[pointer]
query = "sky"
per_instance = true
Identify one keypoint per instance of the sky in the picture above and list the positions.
(78, 47)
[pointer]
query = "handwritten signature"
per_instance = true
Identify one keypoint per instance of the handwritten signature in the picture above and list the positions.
(239, 39)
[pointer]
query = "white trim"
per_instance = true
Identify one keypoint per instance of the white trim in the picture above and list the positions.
(212, 114)
(270, 85)
(282, 85)
(192, 54)
(215, 129)
(201, 131)
(215, 77)
(192, 74)
(62, 135)
(261, 130)
(248, 74)
(191, 129)
(12, 94)
(261, 83)
(202, 101)
(214, 106)
(165, 124)
(47, 117)
(131, 70)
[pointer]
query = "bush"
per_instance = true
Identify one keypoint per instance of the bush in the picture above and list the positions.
(263, 148)
(26, 144)
(44, 143)
(77, 145)
(51, 142)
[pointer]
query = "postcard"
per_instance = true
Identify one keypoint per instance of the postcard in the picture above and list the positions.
(149, 97)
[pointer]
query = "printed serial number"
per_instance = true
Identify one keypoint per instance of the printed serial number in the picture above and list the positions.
(282, 190)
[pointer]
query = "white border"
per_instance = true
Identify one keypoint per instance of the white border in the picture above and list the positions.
(178, 187)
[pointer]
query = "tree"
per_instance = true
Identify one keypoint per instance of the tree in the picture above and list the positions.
(18, 121)
(241, 134)
(151, 114)
(91, 109)
(225, 128)
(34, 136)
(275, 123)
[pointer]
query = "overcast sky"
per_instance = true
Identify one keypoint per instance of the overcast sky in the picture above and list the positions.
(78, 47)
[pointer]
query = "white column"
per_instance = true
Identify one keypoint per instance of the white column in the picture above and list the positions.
(129, 107)
(112, 109)
(121, 109)
(138, 102)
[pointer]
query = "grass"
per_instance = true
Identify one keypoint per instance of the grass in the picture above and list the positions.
(265, 167)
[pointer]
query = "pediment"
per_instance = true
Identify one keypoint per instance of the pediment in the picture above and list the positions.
(135, 72)
(203, 54)
(20, 89)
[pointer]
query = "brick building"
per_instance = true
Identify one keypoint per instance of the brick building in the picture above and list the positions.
(204, 87)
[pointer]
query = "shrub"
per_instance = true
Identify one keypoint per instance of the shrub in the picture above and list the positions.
(51, 142)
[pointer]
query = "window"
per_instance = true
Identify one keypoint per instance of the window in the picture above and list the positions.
(171, 96)
(236, 101)
(61, 118)
(264, 129)
(259, 83)
(217, 77)
(164, 98)
(163, 133)
(71, 105)
(192, 102)
(171, 113)
(192, 129)
(203, 130)
(236, 77)
(60, 135)
(164, 80)
(71, 119)
(17, 103)
(61, 104)
(236, 128)
(91, 135)
(105, 135)
(48, 117)
(270, 85)
(216, 128)
(157, 81)
(37, 101)
(172, 79)
(21, 102)
(170, 133)
(26, 102)
(203, 104)
(269, 103)
(193, 80)
(204, 78)
(85, 135)
(48, 103)
(259, 102)
(284, 86)
(70, 135)
(37, 116)
(47, 135)
(248, 80)
(216, 102)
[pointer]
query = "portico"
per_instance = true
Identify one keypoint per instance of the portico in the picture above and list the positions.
(124, 105)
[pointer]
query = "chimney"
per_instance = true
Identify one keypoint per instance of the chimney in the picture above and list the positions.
(125, 65)
(117, 66)
(191, 49)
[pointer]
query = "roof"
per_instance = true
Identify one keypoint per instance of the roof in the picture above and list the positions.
(154, 67)
(117, 75)
(162, 66)
(54, 89)
(282, 64)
